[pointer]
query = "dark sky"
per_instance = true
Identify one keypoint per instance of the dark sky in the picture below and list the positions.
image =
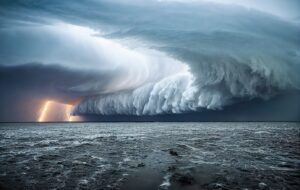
(194, 60)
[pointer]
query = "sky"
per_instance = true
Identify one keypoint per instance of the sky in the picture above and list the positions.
(150, 60)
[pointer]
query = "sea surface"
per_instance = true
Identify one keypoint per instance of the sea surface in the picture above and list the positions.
(150, 156)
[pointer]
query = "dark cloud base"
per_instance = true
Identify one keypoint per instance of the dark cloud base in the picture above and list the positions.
(24, 88)
(283, 107)
(24, 95)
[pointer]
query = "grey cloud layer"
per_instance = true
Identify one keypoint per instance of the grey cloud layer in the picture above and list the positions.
(233, 53)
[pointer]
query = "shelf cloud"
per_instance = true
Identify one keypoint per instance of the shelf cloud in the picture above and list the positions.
(152, 57)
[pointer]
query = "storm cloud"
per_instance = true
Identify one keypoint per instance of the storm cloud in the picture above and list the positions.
(151, 57)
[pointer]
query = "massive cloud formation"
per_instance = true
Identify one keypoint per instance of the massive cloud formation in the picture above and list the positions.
(157, 57)
(233, 54)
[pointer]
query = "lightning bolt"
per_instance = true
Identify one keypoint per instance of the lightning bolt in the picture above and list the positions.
(44, 111)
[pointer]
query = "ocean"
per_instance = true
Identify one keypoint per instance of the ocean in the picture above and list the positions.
(150, 156)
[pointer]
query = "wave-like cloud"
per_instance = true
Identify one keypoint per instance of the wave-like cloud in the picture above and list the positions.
(233, 54)
(216, 86)
(161, 56)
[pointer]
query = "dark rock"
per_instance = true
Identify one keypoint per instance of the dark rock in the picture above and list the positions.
(141, 165)
(183, 179)
(172, 168)
(173, 152)
(55, 173)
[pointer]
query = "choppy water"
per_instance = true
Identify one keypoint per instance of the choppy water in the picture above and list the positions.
(150, 156)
